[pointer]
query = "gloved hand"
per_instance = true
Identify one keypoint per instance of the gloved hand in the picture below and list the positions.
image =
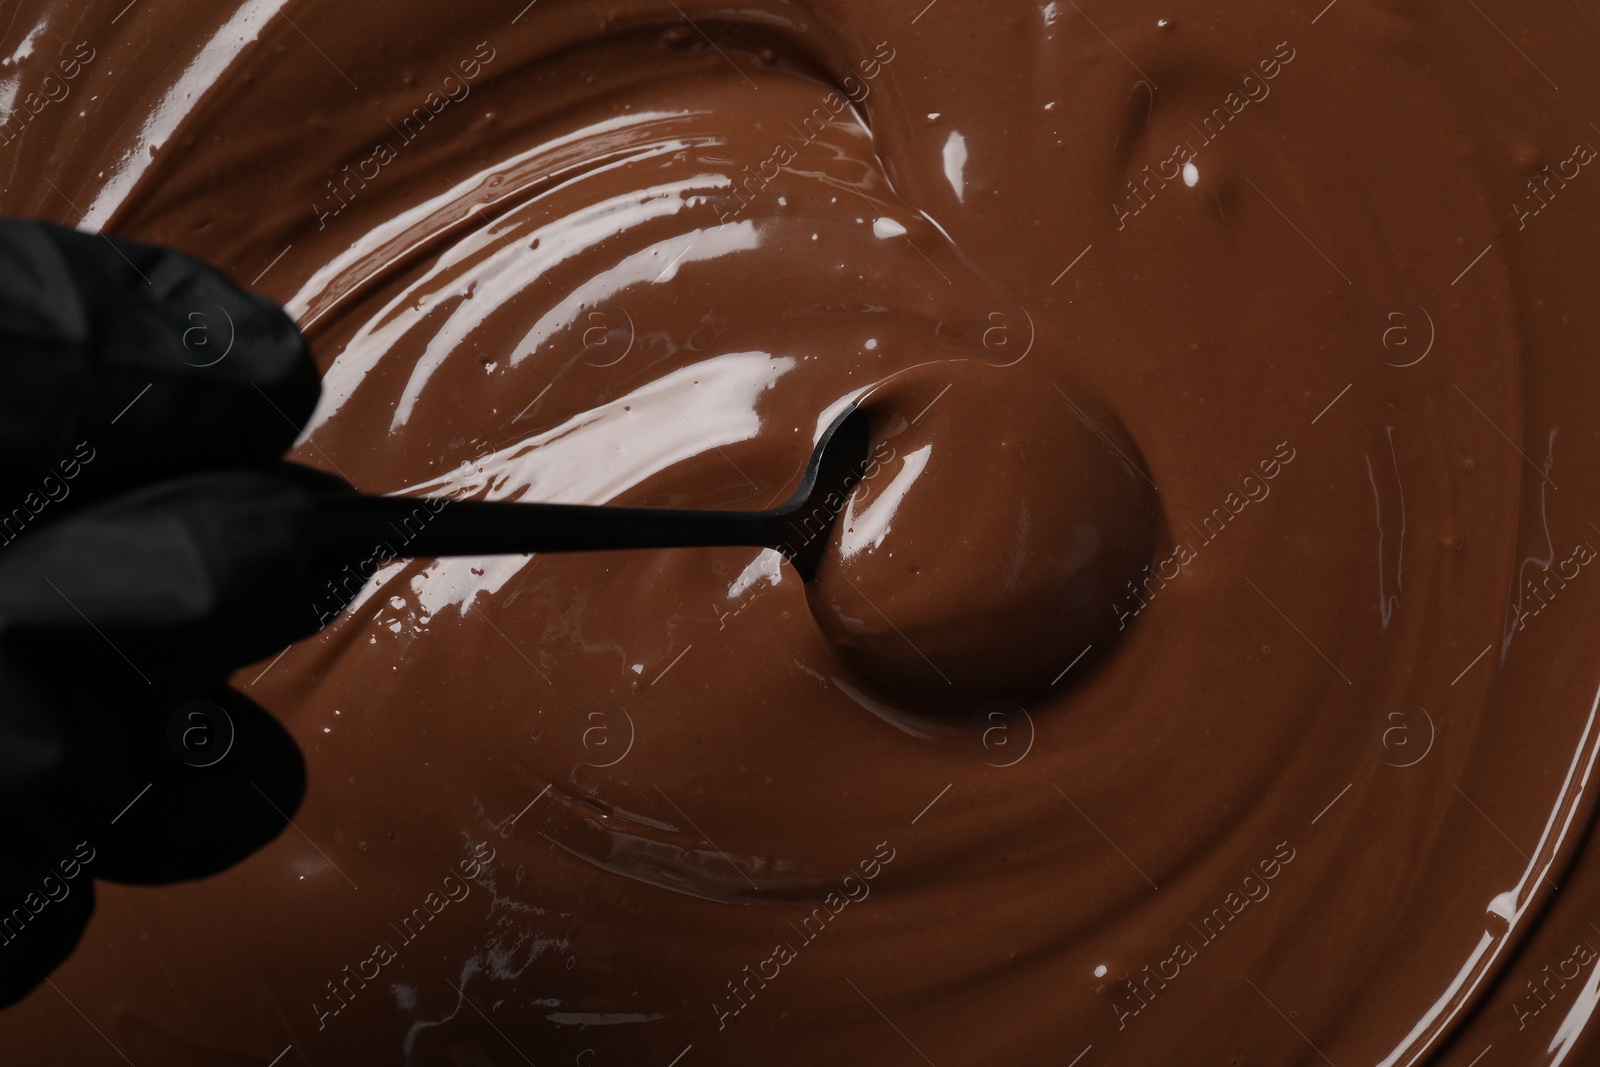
(151, 542)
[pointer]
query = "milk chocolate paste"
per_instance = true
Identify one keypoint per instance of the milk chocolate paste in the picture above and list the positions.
(1319, 792)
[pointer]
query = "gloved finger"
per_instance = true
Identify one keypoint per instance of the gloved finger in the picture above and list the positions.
(31, 746)
(328, 586)
(217, 780)
(220, 780)
(113, 616)
(127, 363)
(45, 912)
(46, 896)
(173, 585)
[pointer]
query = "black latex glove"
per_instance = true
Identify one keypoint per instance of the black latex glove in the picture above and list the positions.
(151, 542)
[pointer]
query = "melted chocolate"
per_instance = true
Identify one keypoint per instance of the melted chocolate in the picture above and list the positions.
(1330, 267)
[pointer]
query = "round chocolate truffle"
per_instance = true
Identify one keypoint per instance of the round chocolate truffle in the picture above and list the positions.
(1000, 519)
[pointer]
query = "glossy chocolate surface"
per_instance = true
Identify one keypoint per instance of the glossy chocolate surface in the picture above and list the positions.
(1324, 796)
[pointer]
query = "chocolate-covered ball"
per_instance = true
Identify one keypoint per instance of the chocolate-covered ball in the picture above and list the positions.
(999, 520)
